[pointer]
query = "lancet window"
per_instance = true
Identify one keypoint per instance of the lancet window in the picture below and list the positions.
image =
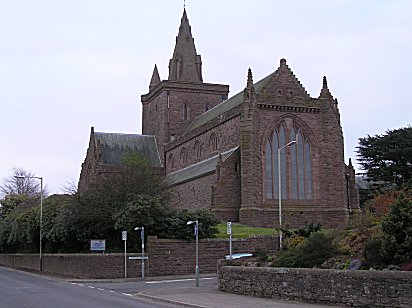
(293, 161)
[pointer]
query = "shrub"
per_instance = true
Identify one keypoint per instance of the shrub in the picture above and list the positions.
(397, 231)
(373, 254)
(311, 252)
(307, 230)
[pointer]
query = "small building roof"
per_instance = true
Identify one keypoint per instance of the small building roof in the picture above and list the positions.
(114, 146)
(199, 169)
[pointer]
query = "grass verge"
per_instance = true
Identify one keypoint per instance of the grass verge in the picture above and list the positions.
(241, 231)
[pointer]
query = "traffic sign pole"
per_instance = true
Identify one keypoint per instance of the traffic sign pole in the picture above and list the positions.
(124, 238)
(229, 231)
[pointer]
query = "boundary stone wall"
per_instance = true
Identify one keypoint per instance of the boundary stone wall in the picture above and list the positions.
(177, 257)
(85, 266)
(352, 288)
(166, 257)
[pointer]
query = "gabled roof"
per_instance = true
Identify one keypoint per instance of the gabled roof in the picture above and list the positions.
(196, 170)
(225, 106)
(283, 77)
(114, 146)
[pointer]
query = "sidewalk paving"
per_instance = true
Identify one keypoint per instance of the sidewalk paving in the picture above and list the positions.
(207, 296)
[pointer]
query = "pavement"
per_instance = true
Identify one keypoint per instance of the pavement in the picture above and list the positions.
(207, 295)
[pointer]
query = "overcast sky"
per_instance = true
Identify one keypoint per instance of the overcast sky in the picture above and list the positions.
(68, 65)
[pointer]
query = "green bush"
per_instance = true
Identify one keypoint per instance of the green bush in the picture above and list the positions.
(397, 231)
(373, 253)
(311, 252)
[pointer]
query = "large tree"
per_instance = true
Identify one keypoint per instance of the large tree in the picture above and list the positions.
(387, 157)
(20, 182)
(20, 188)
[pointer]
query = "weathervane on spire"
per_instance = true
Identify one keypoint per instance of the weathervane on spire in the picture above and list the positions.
(184, 4)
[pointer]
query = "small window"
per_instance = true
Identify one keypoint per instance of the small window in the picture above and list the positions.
(213, 142)
(198, 149)
(236, 167)
(171, 161)
(183, 155)
(185, 113)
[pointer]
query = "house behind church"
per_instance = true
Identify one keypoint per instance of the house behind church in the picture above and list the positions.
(224, 154)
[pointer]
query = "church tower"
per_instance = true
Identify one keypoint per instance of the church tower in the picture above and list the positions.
(171, 105)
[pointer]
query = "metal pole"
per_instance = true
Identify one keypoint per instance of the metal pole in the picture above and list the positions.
(197, 253)
(280, 191)
(41, 223)
(142, 236)
(280, 200)
(230, 245)
(125, 260)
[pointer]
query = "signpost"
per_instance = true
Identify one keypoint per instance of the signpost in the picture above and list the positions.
(124, 238)
(196, 231)
(229, 231)
(142, 238)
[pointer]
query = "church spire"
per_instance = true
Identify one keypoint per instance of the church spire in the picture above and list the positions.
(155, 79)
(185, 64)
(325, 93)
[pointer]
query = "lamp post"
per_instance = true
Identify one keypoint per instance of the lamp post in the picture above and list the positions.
(280, 191)
(41, 215)
(142, 237)
(196, 222)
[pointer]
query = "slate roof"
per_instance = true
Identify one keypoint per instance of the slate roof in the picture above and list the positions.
(228, 104)
(196, 170)
(114, 146)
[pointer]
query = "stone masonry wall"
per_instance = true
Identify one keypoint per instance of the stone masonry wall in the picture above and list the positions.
(166, 257)
(194, 194)
(351, 288)
(93, 265)
(177, 257)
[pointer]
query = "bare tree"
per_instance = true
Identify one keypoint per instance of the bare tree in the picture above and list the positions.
(70, 188)
(21, 182)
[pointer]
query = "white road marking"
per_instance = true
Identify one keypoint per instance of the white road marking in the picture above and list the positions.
(91, 287)
(100, 289)
(178, 280)
(127, 294)
(111, 291)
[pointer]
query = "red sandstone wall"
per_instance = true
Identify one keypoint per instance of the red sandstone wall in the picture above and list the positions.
(195, 194)
(227, 136)
(177, 257)
(166, 257)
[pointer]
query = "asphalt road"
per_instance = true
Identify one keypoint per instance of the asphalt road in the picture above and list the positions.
(20, 290)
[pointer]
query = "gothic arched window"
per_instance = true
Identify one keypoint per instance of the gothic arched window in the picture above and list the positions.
(213, 142)
(183, 155)
(171, 161)
(198, 149)
(294, 161)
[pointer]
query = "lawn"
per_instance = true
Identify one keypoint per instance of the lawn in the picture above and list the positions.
(241, 231)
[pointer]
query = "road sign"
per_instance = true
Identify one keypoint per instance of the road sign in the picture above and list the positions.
(139, 258)
(124, 235)
(229, 228)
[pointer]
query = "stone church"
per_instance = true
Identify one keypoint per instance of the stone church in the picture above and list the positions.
(237, 156)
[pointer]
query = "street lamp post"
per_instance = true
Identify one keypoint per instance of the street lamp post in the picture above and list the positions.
(142, 237)
(41, 215)
(196, 222)
(280, 191)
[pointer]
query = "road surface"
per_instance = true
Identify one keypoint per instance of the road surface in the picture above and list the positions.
(20, 290)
